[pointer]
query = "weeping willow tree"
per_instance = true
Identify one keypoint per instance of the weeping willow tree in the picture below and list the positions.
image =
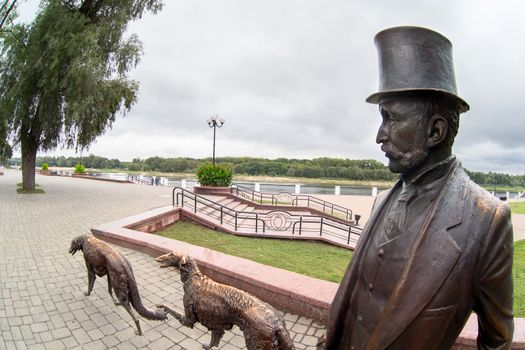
(64, 77)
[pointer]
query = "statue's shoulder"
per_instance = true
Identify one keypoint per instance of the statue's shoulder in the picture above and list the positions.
(483, 198)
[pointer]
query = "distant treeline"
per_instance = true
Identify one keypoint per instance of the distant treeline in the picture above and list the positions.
(366, 169)
(497, 179)
(334, 168)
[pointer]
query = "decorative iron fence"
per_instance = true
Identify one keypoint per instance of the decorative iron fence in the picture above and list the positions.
(273, 220)
(285, 198)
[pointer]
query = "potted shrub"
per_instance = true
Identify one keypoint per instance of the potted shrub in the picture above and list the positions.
(79, 170)
(213, 178)
(44, 169)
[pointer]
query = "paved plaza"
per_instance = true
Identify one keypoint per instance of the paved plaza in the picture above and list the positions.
(42, 301)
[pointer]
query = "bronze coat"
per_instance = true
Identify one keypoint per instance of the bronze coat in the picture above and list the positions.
(461, 261)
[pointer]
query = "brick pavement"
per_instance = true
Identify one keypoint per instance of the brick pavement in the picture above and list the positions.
(42, 302)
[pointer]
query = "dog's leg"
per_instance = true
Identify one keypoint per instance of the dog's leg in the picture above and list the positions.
(188, 320)
(130, 312)
(91, 278)
(110, 291)
(171, 311)
(216, 336)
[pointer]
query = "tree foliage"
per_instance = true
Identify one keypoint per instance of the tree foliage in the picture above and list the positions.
(64, 77)
(7, 12)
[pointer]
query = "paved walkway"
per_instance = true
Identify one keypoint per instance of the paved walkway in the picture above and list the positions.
(42, 302)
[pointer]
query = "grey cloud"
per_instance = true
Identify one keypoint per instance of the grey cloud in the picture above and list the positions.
(291, 77)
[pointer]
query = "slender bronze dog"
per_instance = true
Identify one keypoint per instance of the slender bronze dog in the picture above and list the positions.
(102, 259)
(219, 307)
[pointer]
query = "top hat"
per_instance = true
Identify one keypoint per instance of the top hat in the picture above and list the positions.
(413, 59)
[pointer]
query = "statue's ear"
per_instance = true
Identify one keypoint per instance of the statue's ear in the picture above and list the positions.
(438, 129)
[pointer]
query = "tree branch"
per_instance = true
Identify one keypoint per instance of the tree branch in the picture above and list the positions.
(8, 11)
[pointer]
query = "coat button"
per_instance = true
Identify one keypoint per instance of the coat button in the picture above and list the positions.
(359, 319)
(370, 286)
(380, 252)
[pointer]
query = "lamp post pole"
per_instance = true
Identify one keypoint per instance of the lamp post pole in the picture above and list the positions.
(215, 122)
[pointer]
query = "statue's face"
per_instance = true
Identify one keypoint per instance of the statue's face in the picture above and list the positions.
(403, 134)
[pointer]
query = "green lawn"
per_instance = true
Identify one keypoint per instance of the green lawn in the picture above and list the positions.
(517, 207)
(317, 260)
(519, 278)
(313, 259)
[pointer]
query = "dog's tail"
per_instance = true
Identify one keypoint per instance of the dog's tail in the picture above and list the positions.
(281, 338)
(143, 311)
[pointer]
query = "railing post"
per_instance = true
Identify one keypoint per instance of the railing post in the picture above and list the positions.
(300, 225)
(349, 232)
(195, 209)
(324, 205)
(221, 213)
(182, 199)
(256, 222)
(332, 209)
(236, 221)
(321, 228)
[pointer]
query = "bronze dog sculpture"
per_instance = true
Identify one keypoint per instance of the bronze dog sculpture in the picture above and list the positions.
(102, 259)
(219, 307)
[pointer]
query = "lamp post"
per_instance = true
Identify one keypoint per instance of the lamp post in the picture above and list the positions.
(215, 122)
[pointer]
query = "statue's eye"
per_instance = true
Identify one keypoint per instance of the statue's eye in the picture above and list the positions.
(385, 114)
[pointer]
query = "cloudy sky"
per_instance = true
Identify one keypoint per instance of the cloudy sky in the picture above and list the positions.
(290, 77)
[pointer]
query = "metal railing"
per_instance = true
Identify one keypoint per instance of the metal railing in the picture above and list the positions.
(238, 219)
(273, 220)
(285, 198)
(327, 227)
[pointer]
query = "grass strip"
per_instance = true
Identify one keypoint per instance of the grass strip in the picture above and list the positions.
(517, 207)
(314, 259)
(519, 278)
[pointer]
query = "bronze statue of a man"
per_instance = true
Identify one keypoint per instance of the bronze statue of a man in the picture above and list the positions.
(436, 246)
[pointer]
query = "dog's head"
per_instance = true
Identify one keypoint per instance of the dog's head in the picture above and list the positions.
(76, 244)
(175, 259)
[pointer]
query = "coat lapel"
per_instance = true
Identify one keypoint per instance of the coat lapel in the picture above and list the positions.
(434, 255)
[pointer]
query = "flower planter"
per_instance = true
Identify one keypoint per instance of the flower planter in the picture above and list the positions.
(210, 190)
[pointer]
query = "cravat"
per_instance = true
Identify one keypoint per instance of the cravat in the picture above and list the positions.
(397, 218)
(408, 193)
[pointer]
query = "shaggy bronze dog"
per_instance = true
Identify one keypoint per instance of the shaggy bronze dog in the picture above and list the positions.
(219, 307)
(102, 259)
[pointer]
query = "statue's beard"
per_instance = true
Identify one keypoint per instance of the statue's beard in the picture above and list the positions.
(405, 163)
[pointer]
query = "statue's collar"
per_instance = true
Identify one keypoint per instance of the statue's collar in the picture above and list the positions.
(430, 173)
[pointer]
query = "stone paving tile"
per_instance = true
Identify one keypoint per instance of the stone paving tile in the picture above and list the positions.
(42, 301)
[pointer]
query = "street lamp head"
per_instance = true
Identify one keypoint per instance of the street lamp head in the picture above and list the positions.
(222, 121)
